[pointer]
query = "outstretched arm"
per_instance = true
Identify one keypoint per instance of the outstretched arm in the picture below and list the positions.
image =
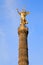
(27, 13)
(18, 12)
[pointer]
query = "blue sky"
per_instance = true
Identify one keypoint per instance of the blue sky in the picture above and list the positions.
(9, 23)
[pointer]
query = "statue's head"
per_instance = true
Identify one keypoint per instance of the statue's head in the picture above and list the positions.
(23, 10)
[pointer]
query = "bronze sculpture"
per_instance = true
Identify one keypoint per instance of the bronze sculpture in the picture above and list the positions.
(23, 15)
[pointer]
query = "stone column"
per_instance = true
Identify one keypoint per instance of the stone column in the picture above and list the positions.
(23, 45)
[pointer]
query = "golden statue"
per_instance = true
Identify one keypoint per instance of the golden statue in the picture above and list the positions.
(23, 15)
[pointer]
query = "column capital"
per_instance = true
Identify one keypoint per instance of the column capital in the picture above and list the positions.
(23, 29)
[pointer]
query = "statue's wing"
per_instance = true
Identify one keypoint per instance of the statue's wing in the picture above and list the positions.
(18, 12)
(27, 13)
